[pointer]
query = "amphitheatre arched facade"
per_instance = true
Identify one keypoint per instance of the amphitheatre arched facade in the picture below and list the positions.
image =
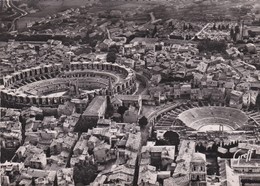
(32, 86)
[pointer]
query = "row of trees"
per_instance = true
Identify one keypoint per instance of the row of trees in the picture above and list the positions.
(208, 45)
(220, 27)
(214, 148)
(187, 26)
(40, 37)
(169, 138)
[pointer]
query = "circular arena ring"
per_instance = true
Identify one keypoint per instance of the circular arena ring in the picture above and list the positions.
(211, 118)
(193, 116)
(44, 85)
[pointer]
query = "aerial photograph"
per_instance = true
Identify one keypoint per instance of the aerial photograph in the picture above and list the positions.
(130, 92)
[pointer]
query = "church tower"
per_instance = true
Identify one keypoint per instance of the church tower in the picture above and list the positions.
(110, 87)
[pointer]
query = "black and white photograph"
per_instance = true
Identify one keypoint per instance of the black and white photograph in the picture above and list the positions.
(130, 92)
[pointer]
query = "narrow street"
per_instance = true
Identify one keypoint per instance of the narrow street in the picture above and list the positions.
(197, 34)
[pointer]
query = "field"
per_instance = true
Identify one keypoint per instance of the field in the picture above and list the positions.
(49, 7)
(203, 11)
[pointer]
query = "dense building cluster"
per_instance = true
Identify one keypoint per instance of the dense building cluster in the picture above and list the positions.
(129, 97)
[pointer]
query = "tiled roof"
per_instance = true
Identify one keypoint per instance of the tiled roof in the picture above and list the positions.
(94, 106)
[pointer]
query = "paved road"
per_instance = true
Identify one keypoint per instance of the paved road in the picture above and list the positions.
(152, 17)
(197, 34)
(165, 108)
(162, 109)
(21, 13)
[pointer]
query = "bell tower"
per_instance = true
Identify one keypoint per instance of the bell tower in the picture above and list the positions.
(110, 87)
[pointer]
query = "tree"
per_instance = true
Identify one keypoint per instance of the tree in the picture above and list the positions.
(110, 108)
(121, 110)
(172, 137)
(212, 45)
(232, 33)
(93, 43)
(80, 184)
(33, 181)
(145, 63)
(235, 37)
(237, 29)
(111, 57)
(48, 152)
(170, 24)
(153, 134)
(130, 38)
(190, 26)
(184, 26)
(85, 173)
(113, 48)
(214, 27)
(201, 148)
(251, 33)
(197, 148)
(214, 147)
(9, 10)
(143, 122)
(196, 38)
(154, 31)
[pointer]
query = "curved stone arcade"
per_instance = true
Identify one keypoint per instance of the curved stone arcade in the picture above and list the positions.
(31, 86)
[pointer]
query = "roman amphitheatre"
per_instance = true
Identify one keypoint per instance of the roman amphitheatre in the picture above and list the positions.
(191, 116)
(46, 85)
